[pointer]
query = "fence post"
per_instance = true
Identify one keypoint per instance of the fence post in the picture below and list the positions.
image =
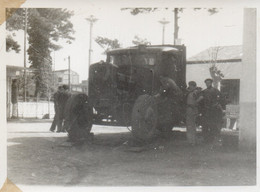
(23, 109)
(36, 113)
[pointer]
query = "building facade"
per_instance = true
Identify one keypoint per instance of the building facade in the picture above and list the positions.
(228, 60)
(62, 77)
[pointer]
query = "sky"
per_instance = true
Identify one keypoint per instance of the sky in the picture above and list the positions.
(198, 31)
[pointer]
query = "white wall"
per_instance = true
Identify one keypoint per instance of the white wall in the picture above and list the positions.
(247, 136)
(200, 72)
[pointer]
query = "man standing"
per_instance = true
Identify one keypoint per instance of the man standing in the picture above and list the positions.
(14, 99)
(193, 99)
(63, 98)
(56, 108)
(211, 112)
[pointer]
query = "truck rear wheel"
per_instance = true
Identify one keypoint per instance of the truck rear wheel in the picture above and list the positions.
(145, 118)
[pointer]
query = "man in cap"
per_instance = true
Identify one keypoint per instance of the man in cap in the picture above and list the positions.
(211, 112)
(193, 98)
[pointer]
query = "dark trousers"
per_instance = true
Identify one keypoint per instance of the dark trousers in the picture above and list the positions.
(57, 121)
(54, 123)
(211, 124)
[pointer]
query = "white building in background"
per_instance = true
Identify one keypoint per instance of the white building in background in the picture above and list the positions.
(228, 60)
(62, 77)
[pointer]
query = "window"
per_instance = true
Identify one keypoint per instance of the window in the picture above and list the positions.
(170, 66)
(60, 79)
(135, 59)
(230, 90)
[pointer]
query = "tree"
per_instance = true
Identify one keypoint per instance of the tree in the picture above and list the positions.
(215, 73)
(14, 22)
(140, 41)
(136, 11)
(46, 26)
(107, 44)
(11, 44)
(30, 82)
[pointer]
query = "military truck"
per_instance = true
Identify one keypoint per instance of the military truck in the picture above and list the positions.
(139, 87)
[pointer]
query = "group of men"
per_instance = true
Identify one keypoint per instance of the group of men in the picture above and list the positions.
(72, 113)
(207, 104)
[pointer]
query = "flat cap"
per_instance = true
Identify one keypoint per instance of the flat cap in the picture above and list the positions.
(211, 80)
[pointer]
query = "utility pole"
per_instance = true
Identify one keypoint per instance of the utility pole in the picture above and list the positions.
(69, 72)
(163, 22)
(176, 26)
(25, 33)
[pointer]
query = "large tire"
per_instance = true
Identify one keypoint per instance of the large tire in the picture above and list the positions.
(145, 118)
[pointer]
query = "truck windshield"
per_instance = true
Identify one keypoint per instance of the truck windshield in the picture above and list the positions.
(132, 59)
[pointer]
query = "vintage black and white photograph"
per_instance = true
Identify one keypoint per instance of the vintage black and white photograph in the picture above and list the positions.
(132, 96)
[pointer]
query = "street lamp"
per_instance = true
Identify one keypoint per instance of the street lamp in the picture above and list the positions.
(91, 19)
(163, 22)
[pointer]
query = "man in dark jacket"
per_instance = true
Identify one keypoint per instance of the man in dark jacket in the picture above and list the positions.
(211, 112)
(56, 108)
(14, 98)
(63, 98)
(192, 112)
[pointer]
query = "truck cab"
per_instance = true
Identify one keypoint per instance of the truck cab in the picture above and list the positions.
(128, 73)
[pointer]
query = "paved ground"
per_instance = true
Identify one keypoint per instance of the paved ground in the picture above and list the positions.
(39, 157)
